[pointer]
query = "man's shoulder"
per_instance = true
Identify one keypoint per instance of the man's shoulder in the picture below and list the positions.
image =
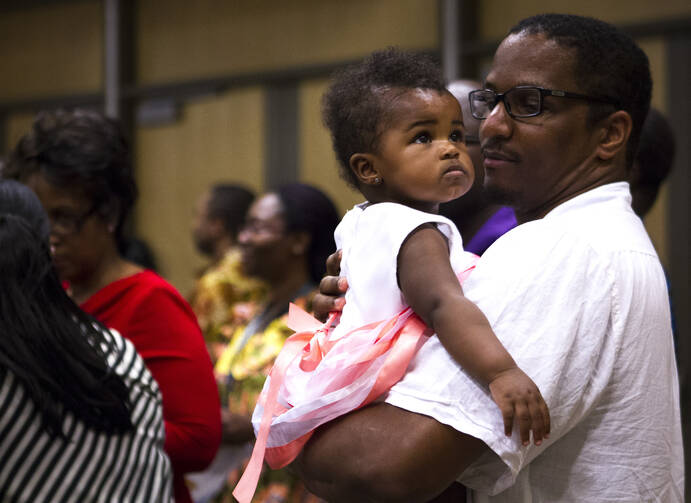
(596, 229)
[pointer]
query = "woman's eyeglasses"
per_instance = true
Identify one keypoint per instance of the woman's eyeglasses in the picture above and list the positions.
(65, 223)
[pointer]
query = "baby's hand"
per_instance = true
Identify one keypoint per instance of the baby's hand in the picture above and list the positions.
(518, 397)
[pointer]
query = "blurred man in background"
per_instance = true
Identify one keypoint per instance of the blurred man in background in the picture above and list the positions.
(222, 287)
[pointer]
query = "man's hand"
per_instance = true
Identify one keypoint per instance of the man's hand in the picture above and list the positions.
(331, 289)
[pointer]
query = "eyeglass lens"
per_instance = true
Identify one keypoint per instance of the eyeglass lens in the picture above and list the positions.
(64, 223)
(520, 102)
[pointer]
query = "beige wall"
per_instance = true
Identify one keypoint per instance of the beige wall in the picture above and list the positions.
(51, 50)
(179, 39)
(318, 165)
(18, 125)
(216, 139)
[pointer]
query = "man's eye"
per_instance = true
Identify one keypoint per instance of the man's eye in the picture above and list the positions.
(422, 138)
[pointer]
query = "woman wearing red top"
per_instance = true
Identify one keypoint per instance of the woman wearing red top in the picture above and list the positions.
(78, 164)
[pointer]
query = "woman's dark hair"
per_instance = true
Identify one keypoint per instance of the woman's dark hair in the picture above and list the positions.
(308, 209)
(609, 64)
(82, 150)
(360, 99)
(55, 350)
(229, 203)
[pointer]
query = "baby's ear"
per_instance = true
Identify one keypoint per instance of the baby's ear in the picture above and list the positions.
(363, 167)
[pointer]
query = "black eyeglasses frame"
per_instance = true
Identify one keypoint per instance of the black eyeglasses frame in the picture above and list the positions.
(76, 222)
(501, 97)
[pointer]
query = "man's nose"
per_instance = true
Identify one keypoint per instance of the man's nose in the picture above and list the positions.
(497, 123)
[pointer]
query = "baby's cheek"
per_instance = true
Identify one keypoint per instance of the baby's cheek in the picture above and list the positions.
(464, 158)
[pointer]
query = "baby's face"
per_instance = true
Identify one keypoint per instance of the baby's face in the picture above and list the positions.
(422, 159)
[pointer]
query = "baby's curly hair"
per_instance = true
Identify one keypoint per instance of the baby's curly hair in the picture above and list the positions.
(359, 100)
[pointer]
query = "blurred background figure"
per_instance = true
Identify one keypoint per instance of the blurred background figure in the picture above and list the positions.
(222, 288)
(137, 250)
(287, 236)
(479, 220)
(78, 164)
(653, 161)
(80, 415)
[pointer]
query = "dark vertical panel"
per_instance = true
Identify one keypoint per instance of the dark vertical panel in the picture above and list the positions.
(679, 78)
(458, 26)
(119, 59)
(468, 22)
(118, 65)
(281, 142)
(4, 147)
(449, 38)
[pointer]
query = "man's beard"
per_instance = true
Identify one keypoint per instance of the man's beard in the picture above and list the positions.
(500, 195)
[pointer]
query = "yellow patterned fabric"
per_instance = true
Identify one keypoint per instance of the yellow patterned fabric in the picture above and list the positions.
(249, 366)
(224, 299)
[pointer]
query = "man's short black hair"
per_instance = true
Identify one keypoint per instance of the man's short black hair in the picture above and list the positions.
(608, 64)
(355, 105)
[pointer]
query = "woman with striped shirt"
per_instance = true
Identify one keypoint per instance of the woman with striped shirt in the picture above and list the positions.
(80, 415)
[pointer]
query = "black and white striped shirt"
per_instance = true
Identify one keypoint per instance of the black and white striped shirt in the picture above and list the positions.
(89, 466)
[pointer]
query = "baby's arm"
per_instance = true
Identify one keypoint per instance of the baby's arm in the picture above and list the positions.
(431, 288)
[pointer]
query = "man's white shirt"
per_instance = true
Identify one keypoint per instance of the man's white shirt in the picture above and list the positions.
(579, 299)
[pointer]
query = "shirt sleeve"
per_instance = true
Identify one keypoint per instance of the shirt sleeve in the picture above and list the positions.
(548, 299)
(172, 346)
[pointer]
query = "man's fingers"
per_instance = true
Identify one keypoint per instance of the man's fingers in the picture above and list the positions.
(331, 288)
(333, 285)
(333, 264)
(322, 305)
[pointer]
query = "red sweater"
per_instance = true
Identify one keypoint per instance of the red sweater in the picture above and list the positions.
(162, 326)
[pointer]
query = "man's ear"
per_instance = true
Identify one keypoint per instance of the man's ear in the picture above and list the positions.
(363, 167)
(616, 129)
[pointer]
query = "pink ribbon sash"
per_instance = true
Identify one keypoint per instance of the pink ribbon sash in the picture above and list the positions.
(311, 343)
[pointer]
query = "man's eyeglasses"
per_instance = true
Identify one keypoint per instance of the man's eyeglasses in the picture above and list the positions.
(65, 223)
(520, 101)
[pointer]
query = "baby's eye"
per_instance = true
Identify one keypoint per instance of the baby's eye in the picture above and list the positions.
(422, 138)
(456, 136)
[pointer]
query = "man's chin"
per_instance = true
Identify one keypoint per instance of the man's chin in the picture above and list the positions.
(500, 195)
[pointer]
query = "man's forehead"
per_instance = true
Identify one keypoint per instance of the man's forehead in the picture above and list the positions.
(531, 59)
